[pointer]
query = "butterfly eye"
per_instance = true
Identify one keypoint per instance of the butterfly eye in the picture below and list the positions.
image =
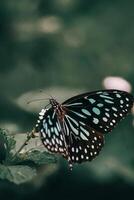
(76, 128)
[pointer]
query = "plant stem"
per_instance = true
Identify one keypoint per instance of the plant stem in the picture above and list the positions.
(29, 136)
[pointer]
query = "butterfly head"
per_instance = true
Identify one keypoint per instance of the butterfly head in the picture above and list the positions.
(54, 103)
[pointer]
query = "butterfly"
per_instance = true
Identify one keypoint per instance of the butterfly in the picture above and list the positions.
(76, 128)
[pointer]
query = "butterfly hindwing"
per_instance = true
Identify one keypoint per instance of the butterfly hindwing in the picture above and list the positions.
(102, 110)
(83, 145)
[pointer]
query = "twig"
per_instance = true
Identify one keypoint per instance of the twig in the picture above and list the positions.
(29, 136)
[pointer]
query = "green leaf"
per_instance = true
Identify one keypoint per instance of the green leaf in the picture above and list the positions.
(17, 174)
(40, 158)
(22, 167)
(7, 144)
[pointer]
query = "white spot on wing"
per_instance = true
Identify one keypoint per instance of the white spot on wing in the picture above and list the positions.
(73, 128)
(91, 100)
(108, 101)
(84, 130)
(74, 104)
(74, 121)
(83, 136)
(56, 132)
(106, 97)
(80, 115)
(95, 121)
(96, 111)
(105, 119)
(41, 117)
(85, 111)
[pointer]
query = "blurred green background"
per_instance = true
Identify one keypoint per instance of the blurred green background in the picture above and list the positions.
(66, 47)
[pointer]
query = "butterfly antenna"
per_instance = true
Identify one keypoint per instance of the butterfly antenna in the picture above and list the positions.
(43, 91)
(40, 99)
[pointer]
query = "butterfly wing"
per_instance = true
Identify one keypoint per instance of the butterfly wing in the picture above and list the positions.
(84, 143)
(79, 137)
(51, 132)
(67, 142)
(101, 110)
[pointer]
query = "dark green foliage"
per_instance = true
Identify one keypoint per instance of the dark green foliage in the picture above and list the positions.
(7, 144)
(22, 167)
(40, 158)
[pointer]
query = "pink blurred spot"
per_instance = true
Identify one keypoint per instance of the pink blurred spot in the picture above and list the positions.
(114, 82)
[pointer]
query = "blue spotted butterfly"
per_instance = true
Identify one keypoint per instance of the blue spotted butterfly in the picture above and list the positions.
(76, 128)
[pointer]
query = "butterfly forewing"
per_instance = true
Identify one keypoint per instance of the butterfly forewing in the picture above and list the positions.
(101, 110)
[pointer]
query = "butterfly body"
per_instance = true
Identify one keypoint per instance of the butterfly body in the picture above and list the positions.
(58, 109)
(76, 128)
